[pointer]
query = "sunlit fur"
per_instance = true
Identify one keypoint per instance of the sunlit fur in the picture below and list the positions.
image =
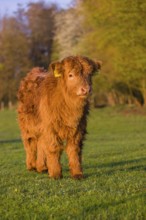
(52, 114)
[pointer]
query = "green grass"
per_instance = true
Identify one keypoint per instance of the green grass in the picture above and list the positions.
(114, 162)
(8, 125)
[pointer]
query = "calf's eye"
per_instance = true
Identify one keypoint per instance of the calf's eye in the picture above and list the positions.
(70, 75)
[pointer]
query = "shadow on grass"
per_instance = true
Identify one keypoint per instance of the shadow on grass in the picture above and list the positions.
(106, 205)
(125, 165)
(123, 162)
(18, 140)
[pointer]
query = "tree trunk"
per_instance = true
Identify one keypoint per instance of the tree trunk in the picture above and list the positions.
(143, 86)
(10, 105)
(2, 105)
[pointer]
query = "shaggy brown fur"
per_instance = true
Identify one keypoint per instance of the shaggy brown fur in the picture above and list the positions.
(52, 111)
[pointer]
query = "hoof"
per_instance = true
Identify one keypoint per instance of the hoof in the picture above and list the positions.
(31, 166)
(78, 176)
(42, 169)
(31, 169)
(57, 177)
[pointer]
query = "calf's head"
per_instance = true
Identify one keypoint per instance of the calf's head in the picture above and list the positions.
(74, 73)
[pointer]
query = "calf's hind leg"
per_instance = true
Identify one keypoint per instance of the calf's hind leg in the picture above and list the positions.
(41, 157)
(30, 145)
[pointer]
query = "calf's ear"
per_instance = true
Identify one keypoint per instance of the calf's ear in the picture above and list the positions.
(97, 65)
(56, 69)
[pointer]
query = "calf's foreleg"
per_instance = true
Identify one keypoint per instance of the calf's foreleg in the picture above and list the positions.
(74, 153)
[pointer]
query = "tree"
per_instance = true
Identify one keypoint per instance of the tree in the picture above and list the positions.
(68, 31)
(26, 40)
(116, 32)
(40, 17)
(14, 60)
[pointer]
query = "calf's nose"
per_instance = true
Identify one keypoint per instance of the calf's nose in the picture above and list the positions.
(85, 90)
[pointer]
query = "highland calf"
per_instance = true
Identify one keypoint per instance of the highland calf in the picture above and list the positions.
(52, 113)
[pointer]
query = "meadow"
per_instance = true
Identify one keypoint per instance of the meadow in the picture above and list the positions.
(114, 164)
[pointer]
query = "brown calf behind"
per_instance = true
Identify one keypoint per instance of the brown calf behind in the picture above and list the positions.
(52, 110)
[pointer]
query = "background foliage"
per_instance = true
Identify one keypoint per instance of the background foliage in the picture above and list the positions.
(112, 31)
